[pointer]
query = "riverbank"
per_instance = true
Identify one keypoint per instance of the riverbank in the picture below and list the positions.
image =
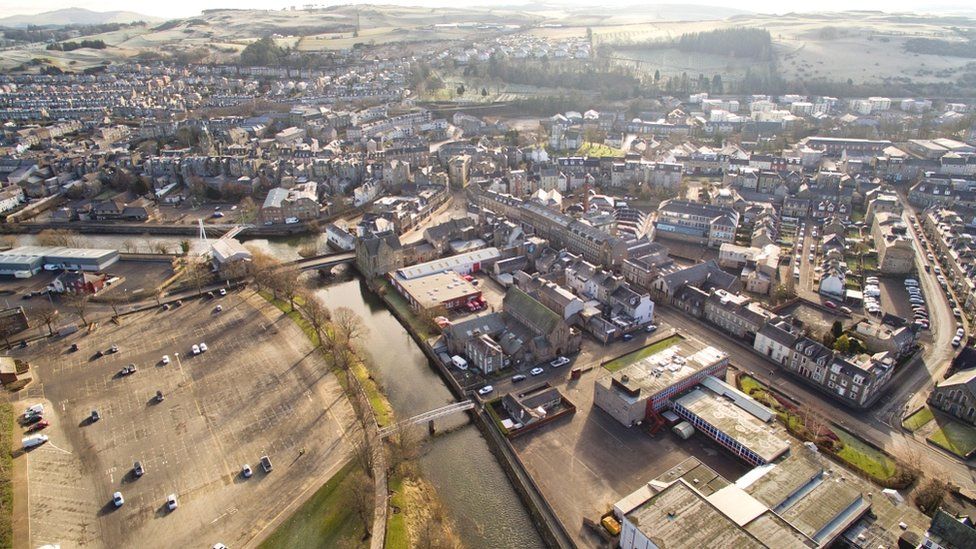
(543, 516)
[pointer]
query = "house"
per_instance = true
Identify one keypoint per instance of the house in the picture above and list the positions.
(549, 335)
(117, 209)
(532, 404)
(775, 341)
(10, 198)
(735, 314)
(78, 282)
(378, 255)
(704, 276)
(896, 252)
(696, 222)
(300, 202)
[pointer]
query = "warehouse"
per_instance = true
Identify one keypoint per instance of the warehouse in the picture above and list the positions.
(448, 290)
(26, 261)
(469, 262)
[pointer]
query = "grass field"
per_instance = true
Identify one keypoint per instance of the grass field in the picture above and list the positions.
(643, 352)
(397, 536)
(599, 150)
(327, 519)
(865, 458)
(955, 437)
(918, 420)
(6, 472)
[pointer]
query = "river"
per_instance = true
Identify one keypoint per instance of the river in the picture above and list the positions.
(472, 485)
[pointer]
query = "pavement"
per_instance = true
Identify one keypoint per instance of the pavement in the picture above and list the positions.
(259, 390)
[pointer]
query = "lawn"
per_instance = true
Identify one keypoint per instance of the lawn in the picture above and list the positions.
(864, 457)
(327, 519)
(397, 536)
(748, 384)
(643, 352)
(6, 472)
(955, 437)
(918, 420)
(598, 150)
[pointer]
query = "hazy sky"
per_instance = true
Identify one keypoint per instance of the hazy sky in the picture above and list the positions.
(178, 8)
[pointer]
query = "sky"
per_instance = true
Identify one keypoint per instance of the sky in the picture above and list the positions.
(183, 8)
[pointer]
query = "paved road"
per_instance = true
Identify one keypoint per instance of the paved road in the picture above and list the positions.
(881, 426)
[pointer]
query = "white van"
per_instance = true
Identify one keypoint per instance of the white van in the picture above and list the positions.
(34, 410)
(459, 362)
(291, 220)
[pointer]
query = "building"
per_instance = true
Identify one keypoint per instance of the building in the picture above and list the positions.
(226, 251)
(956, 395)
(696, 222)
(440, 290)
(378, 255)
(26, 261)
(856, 380)
(532, 404)
(896, 252)
(78, 282)
(13, 320)
(466, 263)
(735, 314)
(641, 390)
(775, 341)
(299, 203)
(759, 265)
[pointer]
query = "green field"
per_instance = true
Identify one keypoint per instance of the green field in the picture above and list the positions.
(643, 352)
(6, 472)
(327, 519)
(865, 458)
(397, 536)
(599, 150)
(918, 420)
(955, 437)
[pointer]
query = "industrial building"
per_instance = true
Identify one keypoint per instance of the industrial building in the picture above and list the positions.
(465, 263)
(27, 261)
(444, 289)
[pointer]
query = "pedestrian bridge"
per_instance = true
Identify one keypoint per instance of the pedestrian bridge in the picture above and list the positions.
(427, 417)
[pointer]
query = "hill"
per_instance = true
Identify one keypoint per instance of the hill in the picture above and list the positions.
(73, 16)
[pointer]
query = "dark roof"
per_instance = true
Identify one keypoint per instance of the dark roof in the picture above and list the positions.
(950, 532)
(529, 311)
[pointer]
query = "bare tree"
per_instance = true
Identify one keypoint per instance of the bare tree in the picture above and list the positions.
(46, 314)
(363, 500)
(8, 327)
(362, 451)
(197, 274)
(287, 280)
(79, 304)
(348, 326)
(58, 237)
(316, 313)
(128, 245)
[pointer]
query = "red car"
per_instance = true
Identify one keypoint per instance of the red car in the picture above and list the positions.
(38, 426)
(830, 304)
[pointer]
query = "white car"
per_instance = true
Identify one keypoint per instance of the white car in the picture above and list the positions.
(165, 359)
(223, 292)
(171, 502)
(247, 471)
(117, 499)
(195, 349)
(203, 347)
(485, 390)
(960, 332)
(536, 371)
(561, 361)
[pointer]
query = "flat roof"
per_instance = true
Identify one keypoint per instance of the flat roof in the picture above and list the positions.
(685, 518)
(29, 253)
(432, 290)
(654, 373)
(776, 532)
(735, 422)
(447, 263)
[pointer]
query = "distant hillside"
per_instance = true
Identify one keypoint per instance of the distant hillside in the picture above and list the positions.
(74, 16)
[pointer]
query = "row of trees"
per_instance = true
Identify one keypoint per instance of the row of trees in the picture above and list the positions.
(72, 46)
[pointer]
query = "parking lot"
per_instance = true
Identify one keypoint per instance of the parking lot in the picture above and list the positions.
(587, 462)
(258, 390)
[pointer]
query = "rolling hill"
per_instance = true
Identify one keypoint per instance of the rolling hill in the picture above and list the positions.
(74, 16)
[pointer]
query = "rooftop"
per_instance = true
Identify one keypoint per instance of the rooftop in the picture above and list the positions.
(733, 420)
(665, 368)
(431, 291)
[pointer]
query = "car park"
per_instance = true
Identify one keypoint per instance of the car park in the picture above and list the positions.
(485, 390)
(536, 371)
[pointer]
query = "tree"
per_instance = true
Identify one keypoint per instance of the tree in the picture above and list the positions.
(657, 75)
(316, 313)
(363, 499)
(929, 496)
(185, 246)
(79, 304)
(484, 92)
(58, 237)
(460, 89)
(46, 314)
(837, 329)
(197, 274)
(717, 84)
(248, 209)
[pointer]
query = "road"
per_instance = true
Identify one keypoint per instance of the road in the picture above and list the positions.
(880, 426)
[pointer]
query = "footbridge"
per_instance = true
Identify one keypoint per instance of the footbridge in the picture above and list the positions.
(429, 417)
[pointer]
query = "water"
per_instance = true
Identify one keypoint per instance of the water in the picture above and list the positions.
(468, 479)
(470, 482)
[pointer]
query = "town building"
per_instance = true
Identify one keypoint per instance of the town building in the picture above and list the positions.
(300, 203)
(696, 222)
(444, 290)
(896, 251)
(27, 261)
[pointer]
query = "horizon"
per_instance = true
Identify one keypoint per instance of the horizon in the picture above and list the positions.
(184, 8)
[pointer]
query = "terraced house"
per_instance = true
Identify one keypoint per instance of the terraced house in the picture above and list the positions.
(696, 222)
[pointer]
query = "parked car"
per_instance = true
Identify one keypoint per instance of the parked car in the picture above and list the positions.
(113, 349)
(203, 347)
(485, 390)
(165, 359)
(651, 328)
(42, 424)
(559, 361)
(627, 337)
(137, 469)
(518, 377)
(830, 304)
(117, 499)
(32, 419)
(266, 464)
(247, 471)
(171, 502)
(956, 341)
(195, 349)
(536, 371)
(223, 292)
